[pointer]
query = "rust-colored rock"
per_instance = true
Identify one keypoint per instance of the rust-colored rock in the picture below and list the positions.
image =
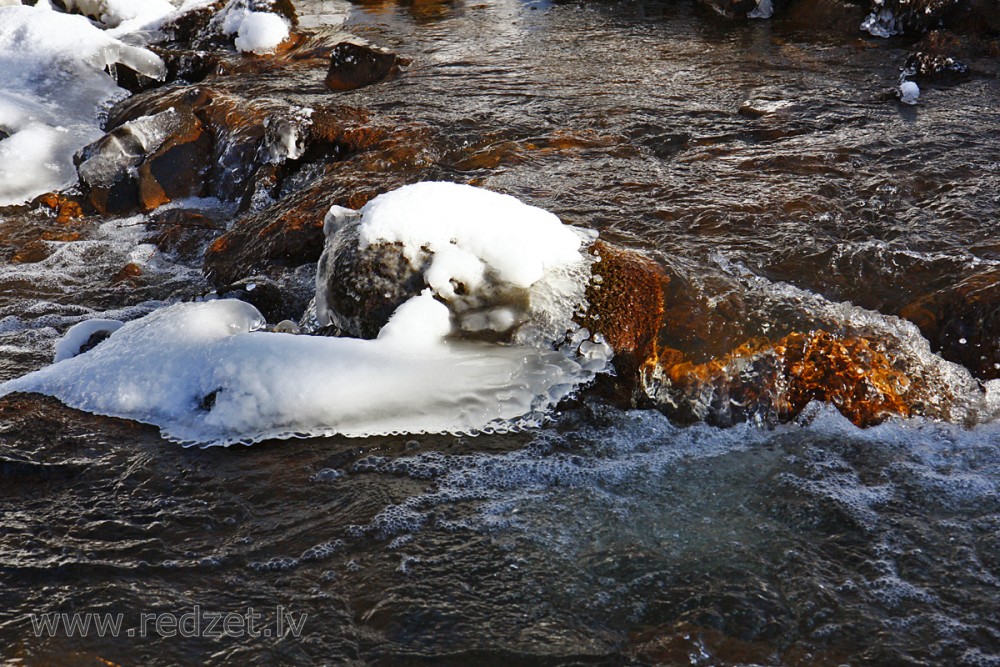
(767, 382)
(31, 252)
(626, 303)
(130, 274)
(67, 208)
(354, 66)
(962, 323)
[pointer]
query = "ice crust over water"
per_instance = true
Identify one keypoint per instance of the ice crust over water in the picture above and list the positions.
(203, 374)
(53, 91)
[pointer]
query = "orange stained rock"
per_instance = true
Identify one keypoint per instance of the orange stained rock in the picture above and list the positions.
(65, 209)
(626, 302)
(775, 380)
(128, 273)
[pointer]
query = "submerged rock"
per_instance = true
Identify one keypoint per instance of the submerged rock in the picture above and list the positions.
(730, 7)
(769, 383)
(840, 16)
(274, 303)
(33, 418)
(183, 232)
(355, 66)
(961, 322)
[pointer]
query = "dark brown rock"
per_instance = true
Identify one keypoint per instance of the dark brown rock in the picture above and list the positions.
(355, 66)
(962, 323)
(730, 8)
(831, 15)
(146, 163)
(289, 233)
(364, 287)
(182, 231)
(273, 301)
(626, 304)
(236, 130)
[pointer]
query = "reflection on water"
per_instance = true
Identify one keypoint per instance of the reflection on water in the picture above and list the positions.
(760, 164)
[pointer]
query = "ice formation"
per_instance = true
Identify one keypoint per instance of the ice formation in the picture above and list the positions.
(124, 15)
(470, 231)
(881, 22)
(909, 92)
(80, 334)
(207, 373)
(763, 10)
(256, 32)
(53, 91)
(497, 262)
(204, 374)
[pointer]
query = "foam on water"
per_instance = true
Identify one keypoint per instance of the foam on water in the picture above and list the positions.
(625, 515)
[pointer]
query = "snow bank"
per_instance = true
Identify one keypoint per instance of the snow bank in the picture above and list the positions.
(124, 15)
(203, 374)
(470, 231)
(256, 32)
(53, 91)
(499, 264)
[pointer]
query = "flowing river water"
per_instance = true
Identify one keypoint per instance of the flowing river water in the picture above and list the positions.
(608, 536)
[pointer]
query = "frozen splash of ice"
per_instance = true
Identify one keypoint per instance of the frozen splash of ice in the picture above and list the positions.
(256, 32)
(53, 91)
(763, 10)
(882, 23)
(205, 375)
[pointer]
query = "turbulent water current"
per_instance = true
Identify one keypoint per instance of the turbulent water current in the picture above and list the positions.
(765, 163)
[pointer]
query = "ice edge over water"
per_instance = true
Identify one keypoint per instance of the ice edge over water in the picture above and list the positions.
(205, 373)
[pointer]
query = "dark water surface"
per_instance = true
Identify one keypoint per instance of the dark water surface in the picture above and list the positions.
(608, 537)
